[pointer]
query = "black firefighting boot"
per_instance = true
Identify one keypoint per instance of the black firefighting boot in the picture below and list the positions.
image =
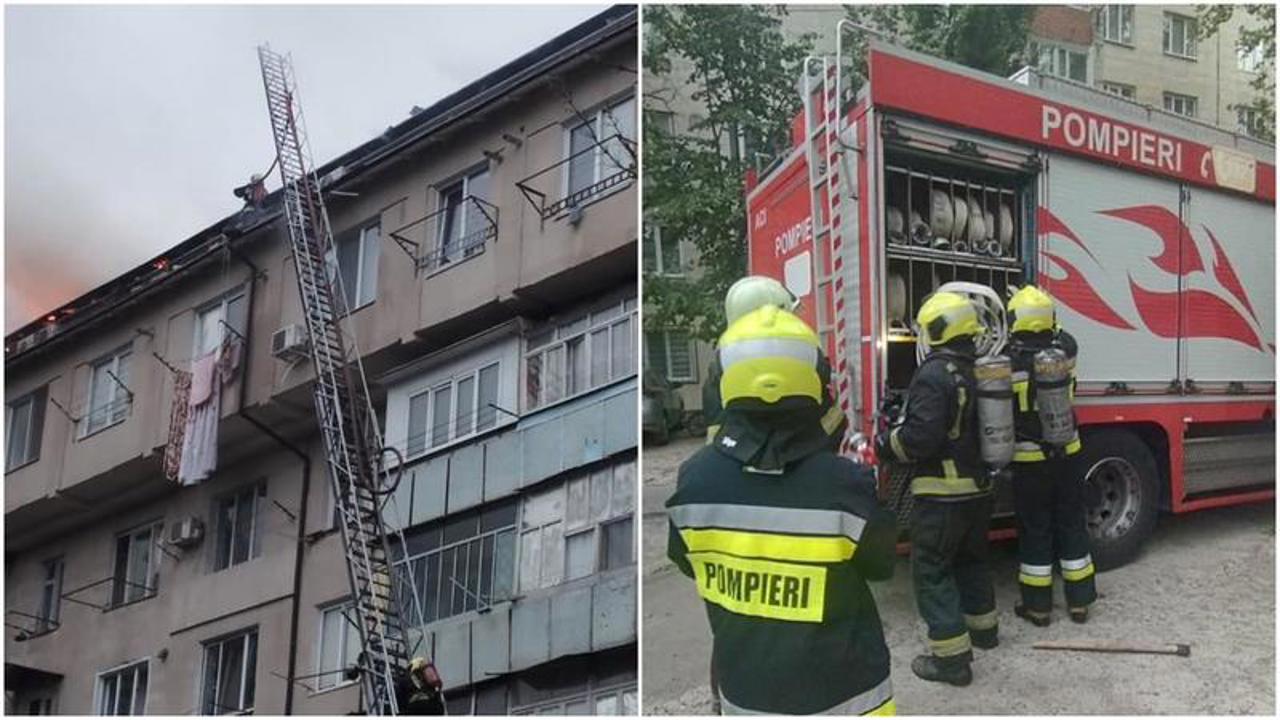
(1079, 615)
(950, 670)
(1039, 619)
(985, 639)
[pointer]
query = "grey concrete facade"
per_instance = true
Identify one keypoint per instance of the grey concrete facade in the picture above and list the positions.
(78, 493)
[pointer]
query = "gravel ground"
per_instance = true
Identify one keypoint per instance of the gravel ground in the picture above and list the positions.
(1206, 579)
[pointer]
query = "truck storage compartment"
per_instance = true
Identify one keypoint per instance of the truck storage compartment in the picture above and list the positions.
(946, 218)
(1228, 456)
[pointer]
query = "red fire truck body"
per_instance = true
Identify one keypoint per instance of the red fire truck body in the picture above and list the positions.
(1155, 234)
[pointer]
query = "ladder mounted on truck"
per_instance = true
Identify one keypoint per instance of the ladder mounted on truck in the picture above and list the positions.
(348, 424)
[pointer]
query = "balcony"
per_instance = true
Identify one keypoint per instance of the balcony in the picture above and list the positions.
(457, 231)
(588, 174)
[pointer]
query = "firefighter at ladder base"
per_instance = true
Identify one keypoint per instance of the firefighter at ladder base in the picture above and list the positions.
(780, 536)
(1048, 491)
(938, 436)
(745, 295)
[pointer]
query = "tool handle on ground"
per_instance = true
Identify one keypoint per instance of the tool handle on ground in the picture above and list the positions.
(1180, 649)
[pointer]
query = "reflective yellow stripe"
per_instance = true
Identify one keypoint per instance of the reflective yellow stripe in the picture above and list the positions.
(888, 708)
(1021, 388)
(1037, 455)
(773, 546)
(831, 420)
(957, 645)
(985, 621)
(961, 398)
(924, 485)
(1078, 575)
(1035, 580)
(761, 588)
(712, 431)
(896, 445)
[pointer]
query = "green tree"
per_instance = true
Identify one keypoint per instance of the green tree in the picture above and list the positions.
(1257, 37)
(743, 72)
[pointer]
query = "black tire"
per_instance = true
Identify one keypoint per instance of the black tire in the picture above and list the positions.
(1122, 494)
(660, 436)
(695, 424)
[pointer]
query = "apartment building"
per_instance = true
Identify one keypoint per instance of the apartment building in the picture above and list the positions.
(487, 246)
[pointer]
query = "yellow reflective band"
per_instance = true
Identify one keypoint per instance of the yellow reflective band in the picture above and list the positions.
(957, 645)
(1073, 447)
(773, 546)
(961, 398)
(770, 379)
(1078, 575)
(1037, 455)
(888, 708)
(985, 621)
(1021, 388)
(924, 485)
(712, 431)
(895, 444)
(831, 420)
(761, 588)
(1035, 580)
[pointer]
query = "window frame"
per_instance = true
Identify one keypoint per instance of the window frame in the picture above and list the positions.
(1188, 26)
(1119, 89)
(222, 304)
(592, 695)
(666, 347)
(1059, 53)
(1250, 61)
(156, 530)
(596, 119)
(258, 489)
(50, 611)
(1248, 120)
(1170, 99)
(100, 681)
(34, 428)
(653, 237)
(450, 384)
(342, 607)
(1125, 21)
(219, 642)
(358, 234)
(564, 333)
(462, 182)
(123, 407)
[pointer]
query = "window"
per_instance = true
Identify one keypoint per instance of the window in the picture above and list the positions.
(464, 226)
(339, 646)
(1250, 121)
(1250, 59)
(109, 395)
(123, 691)
(461, 563)
(1180, 36)
(1180, 104)
(1063, 63)
(24, 418)
(661, 120)
(671, 353)
(1115, 23)
(209, 329)
(137, 565)
(357, 265)
(1127, 92)
(598, 684)
(40, 706)
(596, 152)
(237, 535)
(454, 409)
(50, 596)
(229, 668)
(662, 255)
(580, 527)
(582, 352)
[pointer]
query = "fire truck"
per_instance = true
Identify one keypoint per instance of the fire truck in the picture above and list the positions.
(1154, 233)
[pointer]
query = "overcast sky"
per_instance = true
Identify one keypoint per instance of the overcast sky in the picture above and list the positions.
(127, 127)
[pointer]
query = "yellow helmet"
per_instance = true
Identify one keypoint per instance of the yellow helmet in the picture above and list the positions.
(1031, 310)
(755, 291)
(946, 316)
(769, 354)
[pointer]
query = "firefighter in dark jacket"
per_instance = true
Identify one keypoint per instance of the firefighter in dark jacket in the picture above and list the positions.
(420, 690)
(745, 295)
(781, 535)
(1048, 488)
(938, 436)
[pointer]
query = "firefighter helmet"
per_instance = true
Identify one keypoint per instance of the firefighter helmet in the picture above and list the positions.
(946, 316)
(755, 291)
(769, 354)
(1031, 310)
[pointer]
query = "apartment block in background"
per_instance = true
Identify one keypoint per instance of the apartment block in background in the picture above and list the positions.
(487, 245)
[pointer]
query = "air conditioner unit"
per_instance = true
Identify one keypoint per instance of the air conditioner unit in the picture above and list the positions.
(189, 531)
(290, 343)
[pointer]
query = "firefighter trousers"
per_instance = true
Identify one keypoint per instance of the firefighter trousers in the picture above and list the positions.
(1048, 497)
(951, 574)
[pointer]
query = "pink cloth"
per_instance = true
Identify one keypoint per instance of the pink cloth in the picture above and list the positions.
(202, 378)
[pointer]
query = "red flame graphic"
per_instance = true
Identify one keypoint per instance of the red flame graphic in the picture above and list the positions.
(1226, 274)
(1208, 316)
(1171, 232)
(1050, 224)
(1076, 293)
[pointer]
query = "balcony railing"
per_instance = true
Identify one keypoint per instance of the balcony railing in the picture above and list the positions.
(29, 625)
(455, 232)
(591, 172)
(122, 592)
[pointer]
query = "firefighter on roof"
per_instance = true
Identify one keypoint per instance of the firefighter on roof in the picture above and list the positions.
(780, 536)
(1048, 490)
(745, 295)
(938, 436)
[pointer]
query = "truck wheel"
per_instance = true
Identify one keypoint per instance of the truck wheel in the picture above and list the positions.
(1122, 495)
(661, 435)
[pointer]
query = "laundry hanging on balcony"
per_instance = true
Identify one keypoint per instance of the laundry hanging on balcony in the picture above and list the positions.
(200, 433)
(177, 423)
